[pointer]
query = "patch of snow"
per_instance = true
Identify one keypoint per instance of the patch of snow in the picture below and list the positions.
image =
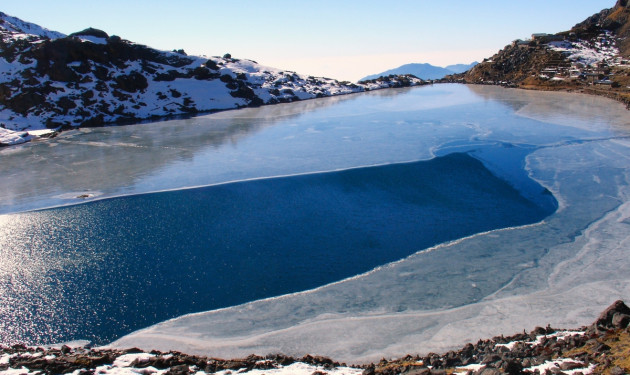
(560, 335)
(127, 359)
(556, 363)
(5, 358)
(10, 137)
(465, 369)
(510, 345)
(587, 52)
(297, 368)
(39, 133)
(20, 371)
(93, 39)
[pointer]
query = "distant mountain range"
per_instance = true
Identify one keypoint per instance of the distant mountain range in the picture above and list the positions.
(423, 71)
(89, 78)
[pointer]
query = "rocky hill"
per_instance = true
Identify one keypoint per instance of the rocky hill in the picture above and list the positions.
(592, 57)
(602, 348)
(89, 78)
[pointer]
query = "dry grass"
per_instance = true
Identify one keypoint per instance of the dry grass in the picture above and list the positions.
(617, 356)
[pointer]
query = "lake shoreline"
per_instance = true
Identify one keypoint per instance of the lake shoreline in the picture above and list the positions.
(597, 348)
(515, 277)
(14, 138)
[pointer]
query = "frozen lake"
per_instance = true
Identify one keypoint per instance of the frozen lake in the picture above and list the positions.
(427, 296)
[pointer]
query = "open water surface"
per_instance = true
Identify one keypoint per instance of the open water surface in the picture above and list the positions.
(116, 265)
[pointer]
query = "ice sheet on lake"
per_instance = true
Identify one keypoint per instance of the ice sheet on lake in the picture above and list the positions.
(562, 271)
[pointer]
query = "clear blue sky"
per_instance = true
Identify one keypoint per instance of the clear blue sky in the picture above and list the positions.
(334, 38)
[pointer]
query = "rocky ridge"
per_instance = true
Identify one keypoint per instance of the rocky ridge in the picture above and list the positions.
(601, 348)
(52, 81)
(593, 57)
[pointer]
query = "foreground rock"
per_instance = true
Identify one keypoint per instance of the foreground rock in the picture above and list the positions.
(602, 348)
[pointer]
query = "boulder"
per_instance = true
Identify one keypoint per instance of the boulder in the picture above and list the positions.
(90, 31)
(620, 320)
(606, 318)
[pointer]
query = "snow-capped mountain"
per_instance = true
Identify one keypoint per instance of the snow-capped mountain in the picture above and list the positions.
(423, 71)
(89, 78)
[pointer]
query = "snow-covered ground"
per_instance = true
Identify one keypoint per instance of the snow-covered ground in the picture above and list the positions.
(589, 53)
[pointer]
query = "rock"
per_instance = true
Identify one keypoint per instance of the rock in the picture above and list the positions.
(491, 358)
(606, 317)
(370, 370)
(620, 320)
(513, 367)
(421, 371)
(617, 371)
(488, 371)
(571, 365)
(131, 82)
(178, 370)
(90, 31)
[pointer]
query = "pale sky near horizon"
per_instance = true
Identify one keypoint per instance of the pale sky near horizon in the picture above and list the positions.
(342, 39)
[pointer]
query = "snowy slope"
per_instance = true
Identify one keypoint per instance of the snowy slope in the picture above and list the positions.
(20, 29)
(91, 79)
(590, 52)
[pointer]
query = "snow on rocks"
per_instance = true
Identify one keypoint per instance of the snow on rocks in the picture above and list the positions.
(564, 365)
(589, 52)
(15, 28)
(78, 361)
(10, 137)
(99, 79)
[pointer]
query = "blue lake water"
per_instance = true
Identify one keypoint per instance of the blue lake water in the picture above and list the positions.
(217, 211)
(125, 263)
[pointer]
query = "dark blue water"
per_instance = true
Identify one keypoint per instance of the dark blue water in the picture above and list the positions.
(103, 269)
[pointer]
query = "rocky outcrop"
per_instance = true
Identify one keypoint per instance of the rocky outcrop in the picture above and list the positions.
(592, 57)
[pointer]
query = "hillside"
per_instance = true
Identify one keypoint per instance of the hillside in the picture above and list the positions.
(52, 81)
(422, 71)
(592, 57)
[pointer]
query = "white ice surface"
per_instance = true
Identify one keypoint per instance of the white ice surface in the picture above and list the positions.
(562, 271)
(581, 267)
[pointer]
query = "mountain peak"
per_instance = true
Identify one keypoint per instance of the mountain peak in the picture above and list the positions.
(90, 31)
